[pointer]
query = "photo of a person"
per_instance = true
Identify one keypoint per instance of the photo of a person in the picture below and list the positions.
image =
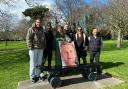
(68, 54)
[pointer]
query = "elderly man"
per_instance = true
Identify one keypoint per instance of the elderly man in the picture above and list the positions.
(36, 43)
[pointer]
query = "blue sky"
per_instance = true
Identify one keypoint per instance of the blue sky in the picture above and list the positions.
(102, 1)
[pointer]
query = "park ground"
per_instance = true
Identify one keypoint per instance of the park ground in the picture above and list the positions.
(14, 65)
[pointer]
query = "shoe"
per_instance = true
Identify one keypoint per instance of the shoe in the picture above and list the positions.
(35, 79)
(42, 78)
(43, 75)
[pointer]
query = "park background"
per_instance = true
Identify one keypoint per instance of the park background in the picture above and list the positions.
(109, 16)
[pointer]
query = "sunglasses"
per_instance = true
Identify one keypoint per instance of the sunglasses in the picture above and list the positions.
(79, 29)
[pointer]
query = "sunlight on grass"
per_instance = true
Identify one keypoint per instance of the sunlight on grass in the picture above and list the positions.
(12, 45)
(14, 67)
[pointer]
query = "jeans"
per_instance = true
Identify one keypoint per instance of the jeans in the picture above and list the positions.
(36, 56)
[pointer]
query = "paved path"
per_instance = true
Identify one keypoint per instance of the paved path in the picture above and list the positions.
(10, 51)
(73, 82)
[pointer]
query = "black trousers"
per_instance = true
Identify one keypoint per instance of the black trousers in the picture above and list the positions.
(82, 54)
(47, 55)
(83, 58)
(96, 56)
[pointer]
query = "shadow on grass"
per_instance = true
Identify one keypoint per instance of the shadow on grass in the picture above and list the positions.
(107, 65)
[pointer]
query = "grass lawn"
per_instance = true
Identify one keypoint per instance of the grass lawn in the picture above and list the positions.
(14, 67)
(12, 45)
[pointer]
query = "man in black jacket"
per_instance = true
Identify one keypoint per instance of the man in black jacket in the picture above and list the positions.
(49, 44)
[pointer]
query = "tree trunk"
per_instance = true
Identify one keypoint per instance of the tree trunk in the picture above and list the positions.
(6, 43)
(122, 39)
(119, 39)
(112, 35)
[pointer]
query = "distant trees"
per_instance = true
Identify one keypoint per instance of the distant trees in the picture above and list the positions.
(68, 7)
(21, 29)
(110, 17)
(5, 26)
(5, 20)
(116, 15)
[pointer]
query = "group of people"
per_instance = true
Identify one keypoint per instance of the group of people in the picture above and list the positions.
(41, 43)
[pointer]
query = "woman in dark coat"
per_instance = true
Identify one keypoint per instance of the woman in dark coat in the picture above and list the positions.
(81, 44)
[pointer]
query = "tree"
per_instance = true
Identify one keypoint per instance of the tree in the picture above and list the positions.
(68, 7)
(33, 3)
(5, 25)
(36, 12)
(7, 2)
(90, 16)
(5, 19)
(21, 29)
(117, 18)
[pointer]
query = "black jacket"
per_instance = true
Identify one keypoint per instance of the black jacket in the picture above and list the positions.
(95, 44)
(49, 39)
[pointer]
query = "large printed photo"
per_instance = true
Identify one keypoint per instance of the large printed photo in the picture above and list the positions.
(68, 54)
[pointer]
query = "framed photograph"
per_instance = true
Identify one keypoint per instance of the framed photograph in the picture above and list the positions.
(68, 54)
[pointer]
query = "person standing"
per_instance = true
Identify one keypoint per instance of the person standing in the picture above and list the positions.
(36, 43)
(68, 31)
(60, 37)
(49, 44)
(81, 44)
(95, 45)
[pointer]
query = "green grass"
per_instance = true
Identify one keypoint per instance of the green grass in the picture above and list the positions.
(12, 45)
(111, 45)
(14, 67)
(115, 61)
